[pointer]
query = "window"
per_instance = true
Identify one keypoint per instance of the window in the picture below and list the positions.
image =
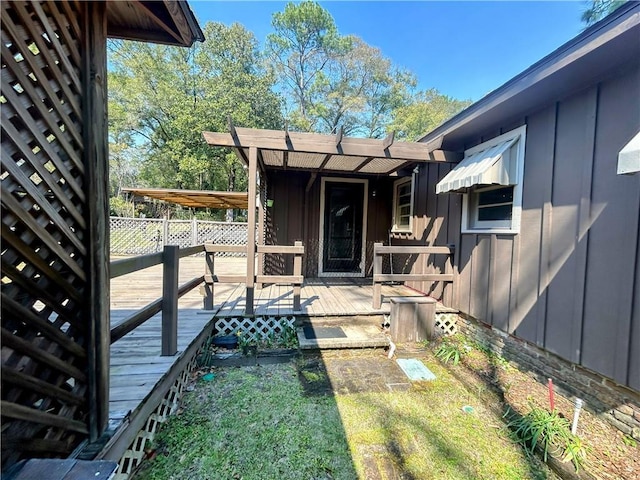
(403, 205)
(490, 177)
(491, 207)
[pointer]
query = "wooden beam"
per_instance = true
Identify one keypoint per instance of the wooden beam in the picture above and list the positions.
(251, 228)
(317, 143)
(388, 141)
(325, 161)
(285, 159)
(339, 135)
(232, 128)
(366, 162)
(312, 179)
(146, 11)
(96, 162)
(170, 267)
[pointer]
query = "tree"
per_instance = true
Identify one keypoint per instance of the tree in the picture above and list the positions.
(599, 9)
(162, 98)
(305, 38)
(424, 112)
(358, 90)
(331, 80)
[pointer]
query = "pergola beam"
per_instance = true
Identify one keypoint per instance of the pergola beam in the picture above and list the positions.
(280, 140)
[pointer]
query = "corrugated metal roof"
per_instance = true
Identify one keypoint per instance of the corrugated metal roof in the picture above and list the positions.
(491, 166)
(195, 198)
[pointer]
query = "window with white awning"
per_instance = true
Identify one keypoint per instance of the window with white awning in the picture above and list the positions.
(490, 177)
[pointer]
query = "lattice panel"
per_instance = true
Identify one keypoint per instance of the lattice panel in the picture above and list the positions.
(136, 452)
(221, 233)
(447, 323)
(136, 236)
(44, 359)
(255, 329)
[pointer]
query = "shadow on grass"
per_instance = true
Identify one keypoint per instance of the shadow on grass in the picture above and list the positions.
(400, 433)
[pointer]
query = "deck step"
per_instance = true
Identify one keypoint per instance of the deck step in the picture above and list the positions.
(326, 333)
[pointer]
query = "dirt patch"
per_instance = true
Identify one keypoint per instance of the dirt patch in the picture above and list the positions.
(610, 454)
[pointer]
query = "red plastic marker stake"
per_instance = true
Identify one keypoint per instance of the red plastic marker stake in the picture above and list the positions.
(551, 400)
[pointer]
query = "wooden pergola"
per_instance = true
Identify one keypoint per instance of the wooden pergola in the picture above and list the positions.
(195, 198)
(262, 150)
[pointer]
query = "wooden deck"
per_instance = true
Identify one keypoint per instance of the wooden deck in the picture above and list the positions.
(320, 297)
(137, 367)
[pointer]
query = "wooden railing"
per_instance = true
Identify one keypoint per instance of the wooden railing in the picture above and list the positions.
(171, 292)
(378, 277)
(296, 279)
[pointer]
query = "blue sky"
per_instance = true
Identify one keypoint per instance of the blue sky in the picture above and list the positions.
(464, 49)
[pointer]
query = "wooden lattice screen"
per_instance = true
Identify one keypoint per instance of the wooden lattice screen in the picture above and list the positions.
(48, 227)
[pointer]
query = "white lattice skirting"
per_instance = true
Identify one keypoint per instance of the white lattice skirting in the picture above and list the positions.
(447, 323)
(258, 328)
(167, 407)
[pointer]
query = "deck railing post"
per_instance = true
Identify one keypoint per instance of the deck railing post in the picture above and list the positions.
(251, 229)
(209, 275)
(170, 300)
(377, 269)
(297, 270)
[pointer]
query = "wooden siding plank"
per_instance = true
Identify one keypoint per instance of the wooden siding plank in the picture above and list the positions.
(529, 316)
(608, 304)
(480, 274)
(500, 281)
(564, 260)
(465, 265)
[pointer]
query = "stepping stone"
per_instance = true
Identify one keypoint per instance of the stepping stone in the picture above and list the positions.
(415, 369)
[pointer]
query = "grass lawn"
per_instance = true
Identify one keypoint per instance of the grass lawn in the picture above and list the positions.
(278, 422)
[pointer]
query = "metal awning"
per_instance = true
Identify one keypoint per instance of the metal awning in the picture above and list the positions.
(495, 165)
(629, 157)
(284, 150)
(195, 198)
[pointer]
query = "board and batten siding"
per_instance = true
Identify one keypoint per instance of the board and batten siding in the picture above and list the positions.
(570, 280)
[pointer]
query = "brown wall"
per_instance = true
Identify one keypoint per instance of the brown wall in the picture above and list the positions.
(570, 281)
(296, 216)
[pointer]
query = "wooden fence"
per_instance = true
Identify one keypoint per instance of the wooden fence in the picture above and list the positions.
(137, 236)
(379, 250)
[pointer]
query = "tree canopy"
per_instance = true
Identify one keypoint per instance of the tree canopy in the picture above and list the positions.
(598, 9)
(308, 76)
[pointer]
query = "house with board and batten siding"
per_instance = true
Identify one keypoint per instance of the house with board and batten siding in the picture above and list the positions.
(534, 192)
(544, 210)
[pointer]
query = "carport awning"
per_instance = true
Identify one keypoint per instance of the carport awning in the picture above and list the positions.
(195, 198)
(495, 165)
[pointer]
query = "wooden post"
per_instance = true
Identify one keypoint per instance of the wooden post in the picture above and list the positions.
(261, 213)
(377, 269)
(194, 232)
(96, 162)
(208, 286)
(170, 265)
(297, 270)
(165, 231)
(251, 229)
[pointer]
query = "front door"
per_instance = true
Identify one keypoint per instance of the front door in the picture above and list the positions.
(343, 228)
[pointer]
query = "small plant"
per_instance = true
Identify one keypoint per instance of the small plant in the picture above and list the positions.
(288, 337)
(246, 344)
(549, 431)
(629, 442)
(449, 351)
